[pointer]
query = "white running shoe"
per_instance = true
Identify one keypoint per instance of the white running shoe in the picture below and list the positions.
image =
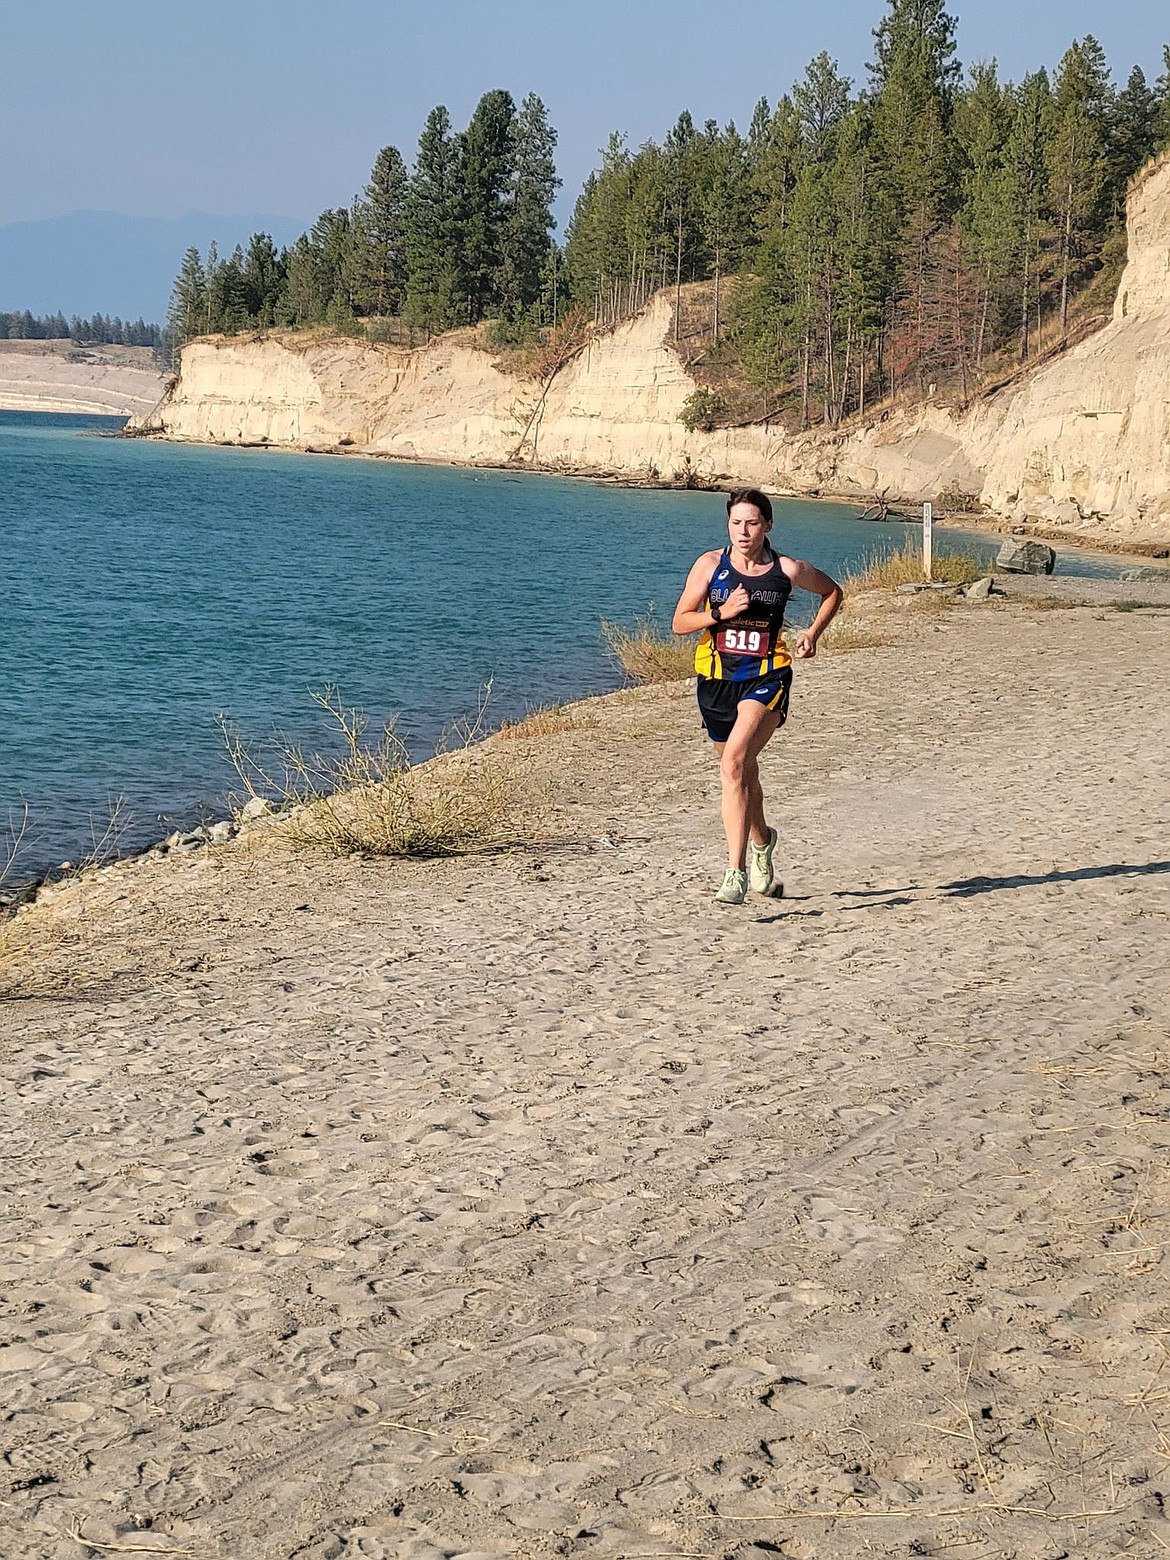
(762, 880)
(733, 889)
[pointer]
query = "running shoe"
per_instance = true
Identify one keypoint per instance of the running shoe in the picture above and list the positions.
(733, 889)
(762, 879)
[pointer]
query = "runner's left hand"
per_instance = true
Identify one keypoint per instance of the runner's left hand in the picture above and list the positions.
(806, 646)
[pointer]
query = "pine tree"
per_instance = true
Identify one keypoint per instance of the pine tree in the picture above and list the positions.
(383, 228)
(528, 220)
(430, 228)
(916, 38)
(983, 115)
(644, 242)
(263, 280)
(1077, 160)
(1025, 191)
(331, 243)
(598, 252)
(725, 211)
(484, 168)
(776, 168)
(210, 266)
(1162, 95)
(188, 308)
(303, 302)
(758, 132)
(914, 73)
(1133, 132)
(821, 101)
(683, 155)
(227, 297)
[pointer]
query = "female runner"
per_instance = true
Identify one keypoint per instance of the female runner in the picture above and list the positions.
(737, 597)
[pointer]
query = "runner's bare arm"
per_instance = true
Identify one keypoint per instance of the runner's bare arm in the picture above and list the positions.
(692, 613)
(805, 576)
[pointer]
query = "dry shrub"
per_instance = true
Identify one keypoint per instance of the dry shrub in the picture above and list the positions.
(11, 841)
(888, 570)
(28, 939)
(16, 954)
(369, 798)
(8, 956)
(546, 720)
(648, 653)
(539, 354)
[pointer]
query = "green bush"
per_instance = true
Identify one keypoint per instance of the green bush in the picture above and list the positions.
(703, 409)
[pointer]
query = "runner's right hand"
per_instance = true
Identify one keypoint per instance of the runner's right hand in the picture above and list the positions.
(737, 602)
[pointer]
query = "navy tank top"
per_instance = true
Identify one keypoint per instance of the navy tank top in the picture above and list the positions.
(751, 645)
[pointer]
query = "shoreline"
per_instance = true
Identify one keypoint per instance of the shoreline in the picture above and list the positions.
(1084, 590)
(982, 520)
(456, 1206)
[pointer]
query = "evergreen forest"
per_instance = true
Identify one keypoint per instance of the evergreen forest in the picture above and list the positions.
(928, 227)
(99, 330)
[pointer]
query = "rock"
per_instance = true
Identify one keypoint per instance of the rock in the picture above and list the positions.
(981, 588)
(222, 831)
(1143, 574)
(1026, 558)
(255, 809)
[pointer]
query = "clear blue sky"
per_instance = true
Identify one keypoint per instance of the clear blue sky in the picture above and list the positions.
(156, 107)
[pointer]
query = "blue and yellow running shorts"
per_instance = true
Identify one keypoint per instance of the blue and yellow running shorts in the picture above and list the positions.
(720, 698)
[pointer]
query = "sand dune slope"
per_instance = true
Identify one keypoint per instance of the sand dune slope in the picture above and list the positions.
(537, 1206)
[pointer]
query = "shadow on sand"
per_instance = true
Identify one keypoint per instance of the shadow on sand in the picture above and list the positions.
(891, 898)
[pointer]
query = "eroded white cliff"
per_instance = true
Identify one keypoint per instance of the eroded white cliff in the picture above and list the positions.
(1086, 440)
(1082, 445)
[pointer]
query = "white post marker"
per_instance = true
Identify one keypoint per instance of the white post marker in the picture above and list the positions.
(927, 540)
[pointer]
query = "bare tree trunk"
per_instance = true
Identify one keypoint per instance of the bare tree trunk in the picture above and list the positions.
(920, 305)
(678, 275)
(981, 335)
(830, 392)
(960, 335)
(843, 394)
(1066, 260)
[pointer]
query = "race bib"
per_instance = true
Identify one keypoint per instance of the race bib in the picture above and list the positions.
(744, 637)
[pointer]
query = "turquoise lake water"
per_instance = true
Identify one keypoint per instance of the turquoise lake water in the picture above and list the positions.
(148, 587)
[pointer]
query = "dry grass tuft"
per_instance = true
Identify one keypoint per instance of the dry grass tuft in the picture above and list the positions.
(546, 720)
(648, 653)
(888, 570)
(9, 957)
(370, 799)
(11, 841)
(26, 942)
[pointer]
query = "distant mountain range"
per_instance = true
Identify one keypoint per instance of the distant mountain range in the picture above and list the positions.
(99, 262)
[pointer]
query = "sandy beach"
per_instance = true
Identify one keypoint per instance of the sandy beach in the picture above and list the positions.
(58, 376)
(532, 1204)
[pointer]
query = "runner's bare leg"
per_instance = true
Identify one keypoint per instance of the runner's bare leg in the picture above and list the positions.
(739, 768)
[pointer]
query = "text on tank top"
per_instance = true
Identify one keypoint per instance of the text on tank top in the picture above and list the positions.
(755, 633)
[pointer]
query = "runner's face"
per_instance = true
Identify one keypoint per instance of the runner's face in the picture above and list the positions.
(747, 529)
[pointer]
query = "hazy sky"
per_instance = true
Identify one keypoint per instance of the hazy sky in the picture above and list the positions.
(156, 107)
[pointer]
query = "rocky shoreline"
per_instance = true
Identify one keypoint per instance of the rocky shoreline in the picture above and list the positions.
(1140, 587)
